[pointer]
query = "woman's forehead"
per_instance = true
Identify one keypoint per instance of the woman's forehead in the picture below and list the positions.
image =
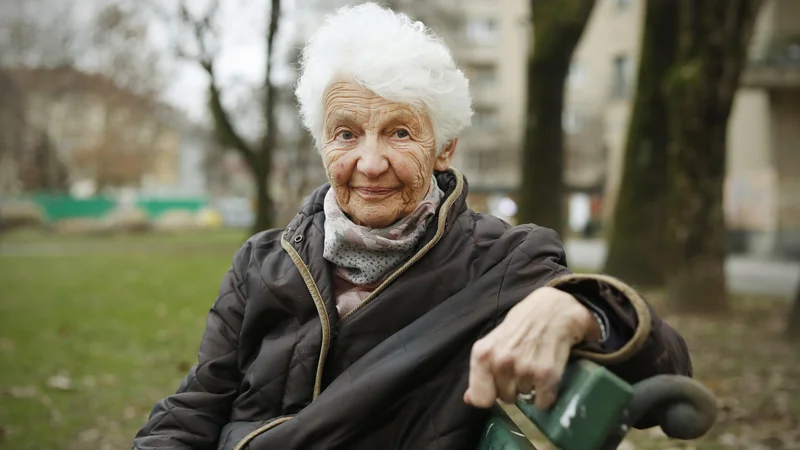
(350, 102)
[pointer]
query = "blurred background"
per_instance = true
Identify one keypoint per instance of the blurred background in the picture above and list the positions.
(142, 141)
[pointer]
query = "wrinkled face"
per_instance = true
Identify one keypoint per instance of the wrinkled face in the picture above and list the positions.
(379, 155)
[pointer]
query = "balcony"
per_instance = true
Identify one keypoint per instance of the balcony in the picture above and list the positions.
(778, 69)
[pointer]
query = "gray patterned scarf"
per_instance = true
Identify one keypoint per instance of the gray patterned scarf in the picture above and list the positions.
(363, 255)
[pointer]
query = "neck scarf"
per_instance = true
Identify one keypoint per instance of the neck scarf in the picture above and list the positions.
(365, 256)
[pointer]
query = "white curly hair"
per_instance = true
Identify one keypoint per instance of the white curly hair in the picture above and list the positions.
(391, 55)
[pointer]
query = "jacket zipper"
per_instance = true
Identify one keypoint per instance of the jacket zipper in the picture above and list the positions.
(262, 429)
(321, 311)
(313, 289)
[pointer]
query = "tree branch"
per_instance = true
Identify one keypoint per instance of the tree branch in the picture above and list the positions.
(270, 134)
(202, 28)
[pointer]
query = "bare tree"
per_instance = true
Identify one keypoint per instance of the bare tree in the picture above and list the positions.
(113, 41)
(557, 28)
(13, 130)
(118, 37)
(108, 57)
(258, 154)
(43, 170)
(299, 171)
(36, 33)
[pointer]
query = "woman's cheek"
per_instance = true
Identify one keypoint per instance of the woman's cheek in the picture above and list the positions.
(339, 172)
(411, 170)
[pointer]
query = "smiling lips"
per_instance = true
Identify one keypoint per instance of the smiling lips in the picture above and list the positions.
(368, 192)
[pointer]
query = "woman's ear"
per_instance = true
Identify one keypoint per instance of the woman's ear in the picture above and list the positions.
(443, 160)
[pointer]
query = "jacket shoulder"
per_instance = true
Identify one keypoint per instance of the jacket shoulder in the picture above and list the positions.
(488, 231)
(252, 253)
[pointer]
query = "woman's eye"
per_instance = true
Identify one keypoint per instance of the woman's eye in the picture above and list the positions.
(346, 135)
(402, 134)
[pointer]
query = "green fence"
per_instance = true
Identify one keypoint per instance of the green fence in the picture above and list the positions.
(155, 208)
(60, 207)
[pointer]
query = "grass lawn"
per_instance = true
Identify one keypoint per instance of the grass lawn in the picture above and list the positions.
(74, 241)
(114, 331)
(89, 340)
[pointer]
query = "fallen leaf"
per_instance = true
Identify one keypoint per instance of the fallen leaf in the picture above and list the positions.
(90, 435)
(728, 440)
(6, 345)
(23, 391)
(183, 366)
(108, 379)
(161, 311)
(60, 381)
(129, 413)
(89, 381)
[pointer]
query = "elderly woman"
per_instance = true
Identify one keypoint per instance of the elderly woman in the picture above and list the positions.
(388, 314)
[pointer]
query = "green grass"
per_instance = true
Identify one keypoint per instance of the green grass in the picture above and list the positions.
(124, 329)
(30, 236)
(123, 325)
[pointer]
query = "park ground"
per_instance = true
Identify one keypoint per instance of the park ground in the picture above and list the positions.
(94, 330)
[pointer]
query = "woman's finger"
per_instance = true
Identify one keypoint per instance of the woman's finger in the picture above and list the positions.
(548, 379)
(505, 379)
(481, 391)
(525, 386)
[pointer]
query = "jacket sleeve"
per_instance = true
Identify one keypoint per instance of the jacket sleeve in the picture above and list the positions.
(645, 345)
(192, 418)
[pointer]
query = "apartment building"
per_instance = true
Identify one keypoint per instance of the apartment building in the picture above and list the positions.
(764, 137)
(763, 174)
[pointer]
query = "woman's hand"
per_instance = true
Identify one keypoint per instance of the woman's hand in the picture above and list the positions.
(529, 349)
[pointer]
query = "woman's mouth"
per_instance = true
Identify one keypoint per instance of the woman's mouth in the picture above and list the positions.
(374, 192)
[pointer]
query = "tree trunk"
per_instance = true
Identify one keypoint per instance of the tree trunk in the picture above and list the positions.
(259, 155)
(557, 28)
(713, 40)
(793, 327)
(265, 211)
(638, 237)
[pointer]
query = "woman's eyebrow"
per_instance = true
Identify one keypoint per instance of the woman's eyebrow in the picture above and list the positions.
(400, 116)
(342, 116)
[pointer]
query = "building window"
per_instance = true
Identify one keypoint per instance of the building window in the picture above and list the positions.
(622, 4)
(570, 122)
(483, 160)
(487, 161)
(621, 77)
(482, 75)
(482, 30)
(486, 119)
(577, 77)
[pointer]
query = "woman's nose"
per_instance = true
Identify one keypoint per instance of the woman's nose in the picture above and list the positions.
(372, 161)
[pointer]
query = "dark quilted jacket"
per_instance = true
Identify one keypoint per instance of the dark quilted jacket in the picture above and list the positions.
(278, 369)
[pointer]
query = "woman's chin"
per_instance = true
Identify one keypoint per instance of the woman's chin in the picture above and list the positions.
(375, 219)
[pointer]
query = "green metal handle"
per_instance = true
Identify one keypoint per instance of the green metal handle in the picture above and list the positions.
(596, 408)
(683, 408)
(501, 433)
